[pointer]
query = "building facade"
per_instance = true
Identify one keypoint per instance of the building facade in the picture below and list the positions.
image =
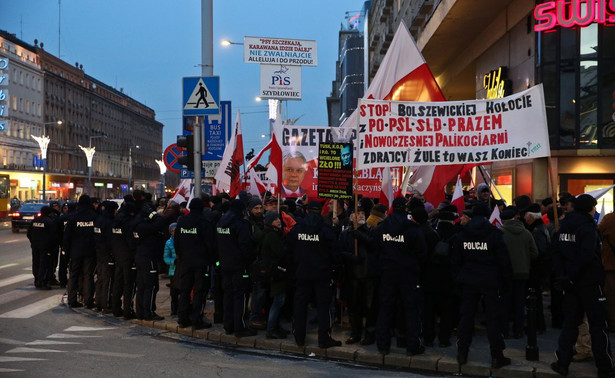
(466, 42)
(42, 90)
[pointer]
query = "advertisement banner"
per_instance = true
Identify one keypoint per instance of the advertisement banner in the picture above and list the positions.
(281, 82)
(335, 170)
(292, 52)
(398, 133)
(300, 172)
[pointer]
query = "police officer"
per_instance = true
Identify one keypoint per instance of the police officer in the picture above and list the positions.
(193, 237)
(61, 223)
(579, 274)
(233, 236)
(313, 246)
(43, 239)
(104, 258)
(78, 243)
(124, 257)
(149, 226)
(483, 269)
(402, 249)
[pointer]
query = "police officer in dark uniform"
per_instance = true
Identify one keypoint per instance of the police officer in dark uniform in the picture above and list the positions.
(193, 238)
(402, 250)
(314, 249)
(149, 226)
(482, 268)
(43, 239)
(61, 223)
(124, 257)
(104, 257)
(579, 274)
(78, 244)
(234, 240)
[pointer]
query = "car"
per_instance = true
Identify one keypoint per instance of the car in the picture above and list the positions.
(23, 217)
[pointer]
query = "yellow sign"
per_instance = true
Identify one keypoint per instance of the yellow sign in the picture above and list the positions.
(496, 83)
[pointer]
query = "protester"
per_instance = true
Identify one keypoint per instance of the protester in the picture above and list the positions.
(607, 231)
(170, 258)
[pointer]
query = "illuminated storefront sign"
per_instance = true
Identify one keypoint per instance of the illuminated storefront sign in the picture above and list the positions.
(573, 13)
(497, 84)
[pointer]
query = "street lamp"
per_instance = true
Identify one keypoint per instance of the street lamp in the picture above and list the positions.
(130, 165)
(226, 42)
(163, 170)
(89, 155)
(43, 143)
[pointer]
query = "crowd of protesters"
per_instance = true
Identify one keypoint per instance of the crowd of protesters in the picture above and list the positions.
(415, 272)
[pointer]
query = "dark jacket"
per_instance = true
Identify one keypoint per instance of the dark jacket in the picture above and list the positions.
(479, 256)
(147, 234)
(234, 240)
(314, 248)
(271, 248)
(365, 263)
(401, 246)
(79, 233)
(521, 247)
(102, 236)
(193, 241)
(576, 250)
(121, 237)
(43, 234)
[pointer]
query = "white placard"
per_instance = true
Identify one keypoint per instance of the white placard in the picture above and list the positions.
(291, 52)
(281, 82)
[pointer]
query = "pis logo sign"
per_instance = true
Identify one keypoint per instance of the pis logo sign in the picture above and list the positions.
(279, 77)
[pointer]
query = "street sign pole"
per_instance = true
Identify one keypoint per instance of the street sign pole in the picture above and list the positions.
(197, 158)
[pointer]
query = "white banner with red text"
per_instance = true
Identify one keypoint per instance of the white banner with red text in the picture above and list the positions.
(404, 133)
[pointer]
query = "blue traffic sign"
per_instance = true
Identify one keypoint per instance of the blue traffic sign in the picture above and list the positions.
(201, 95)
(185, 173)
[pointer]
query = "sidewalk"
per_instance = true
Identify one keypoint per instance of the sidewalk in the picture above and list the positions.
(435, 360)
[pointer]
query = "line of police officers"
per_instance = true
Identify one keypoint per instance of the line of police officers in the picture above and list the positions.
(480, 265)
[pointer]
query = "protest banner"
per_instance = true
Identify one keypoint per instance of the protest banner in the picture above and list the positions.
(335, 170)
(399, 133)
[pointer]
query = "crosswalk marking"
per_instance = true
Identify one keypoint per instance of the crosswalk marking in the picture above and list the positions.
(19, 359)
(33, 350)
(15, 279)
(51, 342)
(69, 336)
(11, 341)
(109, 354)
(14, 294)
(79, 329)
(34, 308)
(7, 266)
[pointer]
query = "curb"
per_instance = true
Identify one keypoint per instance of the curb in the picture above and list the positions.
(428, 362)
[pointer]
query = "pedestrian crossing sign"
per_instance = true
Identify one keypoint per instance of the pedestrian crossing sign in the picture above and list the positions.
(201, 95)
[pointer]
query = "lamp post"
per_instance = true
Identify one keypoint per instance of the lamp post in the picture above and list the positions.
(43, 143)
(226, 42)
(163, 170)
(89, 155)
(130, 165)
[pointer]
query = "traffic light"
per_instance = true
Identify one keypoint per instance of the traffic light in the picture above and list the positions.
(187, 143)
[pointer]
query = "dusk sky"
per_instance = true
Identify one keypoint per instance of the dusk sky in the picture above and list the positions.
(146, 47)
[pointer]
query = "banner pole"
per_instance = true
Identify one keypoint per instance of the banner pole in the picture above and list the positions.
(356, 210)
(492, 183)
(553, 192)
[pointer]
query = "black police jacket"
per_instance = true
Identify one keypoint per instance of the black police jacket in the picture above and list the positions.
(193, 241)
(102, 236)
(576, 250)
(365, 263)
(146, 235)
(401, 245)
(42, 234)
(234, 240)
(79, 233)
(314, 248)
(121, 237)
(479, 256)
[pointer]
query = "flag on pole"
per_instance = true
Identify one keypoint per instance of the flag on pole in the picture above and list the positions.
(495, 218)
(599, 192)
(227, 176)
(601, 213)
(256, 185)
(182, 193)
(404, 76)
(386, 193)
(274, 168)
(458, 199)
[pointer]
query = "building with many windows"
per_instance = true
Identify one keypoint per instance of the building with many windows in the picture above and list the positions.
(41, 90)
(526, 42)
